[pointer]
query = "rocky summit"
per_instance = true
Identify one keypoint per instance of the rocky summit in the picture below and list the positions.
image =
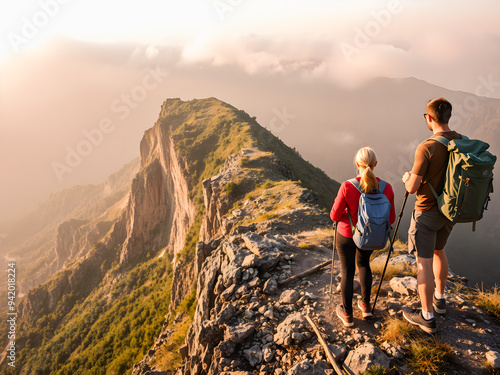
(218, 260)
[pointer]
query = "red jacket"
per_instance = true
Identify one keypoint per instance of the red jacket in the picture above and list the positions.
(348, 196)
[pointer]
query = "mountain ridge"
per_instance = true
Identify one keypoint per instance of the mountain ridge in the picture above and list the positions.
(189, 141)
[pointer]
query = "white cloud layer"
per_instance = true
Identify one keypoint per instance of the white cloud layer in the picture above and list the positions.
(448, 43)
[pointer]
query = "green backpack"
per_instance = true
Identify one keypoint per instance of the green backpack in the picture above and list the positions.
(468, 181)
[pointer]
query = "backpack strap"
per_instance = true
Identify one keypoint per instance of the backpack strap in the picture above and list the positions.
(444, 141)
(439, 138)
(381, 185)
(356, 184)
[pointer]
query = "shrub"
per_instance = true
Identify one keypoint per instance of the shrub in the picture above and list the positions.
(394, 270)
(231, 189)
(244, 161)
(396, 330)
(375, 370)
(429, 357)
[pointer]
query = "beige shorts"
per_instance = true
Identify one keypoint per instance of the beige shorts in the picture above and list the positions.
(429, 231)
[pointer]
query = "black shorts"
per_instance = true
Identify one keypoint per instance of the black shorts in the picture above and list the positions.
(429, 231)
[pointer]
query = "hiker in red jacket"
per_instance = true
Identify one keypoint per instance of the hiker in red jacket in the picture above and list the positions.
(351, 256)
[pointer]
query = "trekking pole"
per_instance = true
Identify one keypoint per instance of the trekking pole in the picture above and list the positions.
(391, 244)
(333, 259)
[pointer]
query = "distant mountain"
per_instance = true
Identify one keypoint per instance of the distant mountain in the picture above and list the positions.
(65, 227)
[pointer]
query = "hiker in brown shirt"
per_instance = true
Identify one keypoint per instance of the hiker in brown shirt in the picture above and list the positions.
(429, 228)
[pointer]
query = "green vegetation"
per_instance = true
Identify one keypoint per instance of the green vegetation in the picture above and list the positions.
(244, 162)
(375, 370)
(106, 333)
(231, 188)
(308, 175)
(168, 357)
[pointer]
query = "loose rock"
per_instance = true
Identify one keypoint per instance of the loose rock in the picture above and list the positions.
(364, 356)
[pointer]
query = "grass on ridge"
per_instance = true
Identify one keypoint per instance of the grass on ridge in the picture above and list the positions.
(396, 331)
(425, 354)
(489, 301)
(429, 356)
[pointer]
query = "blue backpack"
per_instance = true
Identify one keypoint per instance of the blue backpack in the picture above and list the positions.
(372, 229)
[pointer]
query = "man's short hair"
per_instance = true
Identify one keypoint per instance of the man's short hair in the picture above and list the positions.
(440, 110)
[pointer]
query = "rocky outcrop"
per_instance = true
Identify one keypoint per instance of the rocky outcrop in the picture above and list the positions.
(157, 215)
(66, 239)
(234, 315)
(75, 282)
(159, 211)
(75, 239)
(216, 202)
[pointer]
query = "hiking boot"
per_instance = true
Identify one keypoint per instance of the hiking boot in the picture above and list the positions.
(439, 305)
(365, 309)
(415, 317)
(347, 320)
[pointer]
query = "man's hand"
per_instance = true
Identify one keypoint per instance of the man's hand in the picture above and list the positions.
(412, 182)
(406, 177)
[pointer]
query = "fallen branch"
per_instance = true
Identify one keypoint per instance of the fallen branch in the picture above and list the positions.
(305, 273)
(328, 352)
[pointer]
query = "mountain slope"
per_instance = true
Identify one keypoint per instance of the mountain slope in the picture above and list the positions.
(120, 289)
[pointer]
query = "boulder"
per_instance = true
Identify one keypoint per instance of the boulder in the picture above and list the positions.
(292, 330)
(493, 359)
(228, 293)
(240, 332)
(210, 331)
(338, 351)
(404, 285)
(267, 354)
(226, 314)
(253, 355)
(271, 286)
(264, 248)
(364, 356)
(250, 260)
(224, 349)
(289, 297)
(399, 260)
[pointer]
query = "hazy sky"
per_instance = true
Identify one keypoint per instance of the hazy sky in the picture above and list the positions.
(80, 81)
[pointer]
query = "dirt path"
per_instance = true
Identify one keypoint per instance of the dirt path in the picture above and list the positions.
(468, 330)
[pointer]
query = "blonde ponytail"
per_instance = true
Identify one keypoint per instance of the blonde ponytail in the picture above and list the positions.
(365, 160)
